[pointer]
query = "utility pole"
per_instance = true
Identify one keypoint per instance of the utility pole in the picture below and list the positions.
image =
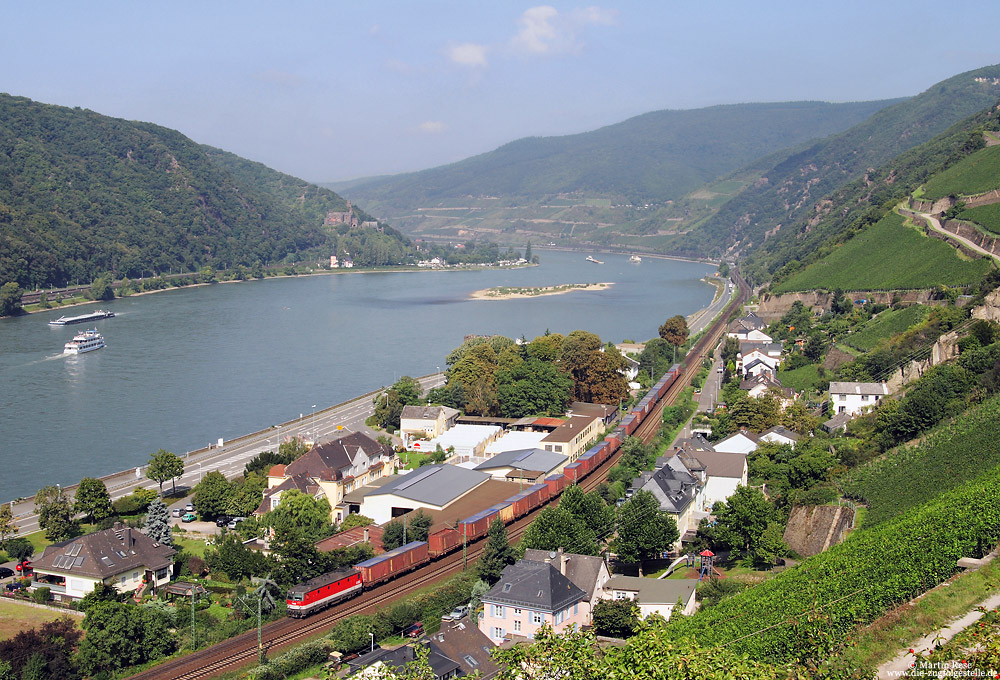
(194, 642)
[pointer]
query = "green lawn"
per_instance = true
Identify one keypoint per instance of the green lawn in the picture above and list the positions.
(887, 324)
(986, 216)
(801, 379)
(16, 616)
(193, 546)
(888, 256)
(974, 174)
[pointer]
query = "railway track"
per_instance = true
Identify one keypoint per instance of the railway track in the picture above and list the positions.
(241, 650)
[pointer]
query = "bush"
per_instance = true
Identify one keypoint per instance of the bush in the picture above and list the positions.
(298, 659)
(40, 595)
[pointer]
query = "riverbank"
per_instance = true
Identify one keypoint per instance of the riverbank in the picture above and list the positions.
(509, 293)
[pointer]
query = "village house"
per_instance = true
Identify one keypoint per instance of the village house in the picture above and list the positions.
(719, 474)
(779, 435)
(655, 595)
(675, 489)
(765, 383)
(426, 421)
(528, 596)
(749, 328)
(331, 470)
(854, 397)
(530, 466)
(121, 557)
(573, 436)
(589, 573)
(755, 358)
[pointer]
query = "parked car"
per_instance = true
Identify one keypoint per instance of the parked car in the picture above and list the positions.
(234, 521)
(458, 612)
(222, 520)
(5, 572)
(188, 517)
(416, 630)
(189, 507)
(176, 512)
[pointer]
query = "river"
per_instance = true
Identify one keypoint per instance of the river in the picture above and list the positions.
(185, 367)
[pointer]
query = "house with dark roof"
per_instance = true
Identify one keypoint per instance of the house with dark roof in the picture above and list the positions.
(371, 664)
(750, 327)
(331, 470)
(587, 572)
(654, 595)
(675, 489)
(529, 595)
(764, 383)
(431, 487)
(121, 557)
(718, 474)
(527, 465)
(767, 353)
(462, 641)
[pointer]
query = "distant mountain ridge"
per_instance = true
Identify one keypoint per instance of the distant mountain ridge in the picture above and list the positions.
(795, 190)
(656, 156)
(82, 194)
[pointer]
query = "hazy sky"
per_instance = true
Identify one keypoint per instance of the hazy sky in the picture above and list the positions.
(347, 88)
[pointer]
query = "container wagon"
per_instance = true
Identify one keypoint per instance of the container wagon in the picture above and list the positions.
(477, 525)
(504, 510)
(393, 563)
(556, 484)
(443, 541)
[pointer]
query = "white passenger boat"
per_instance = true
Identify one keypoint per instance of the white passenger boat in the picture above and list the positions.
(87, 341)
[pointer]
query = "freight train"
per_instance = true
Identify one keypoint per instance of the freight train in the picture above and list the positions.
(326, 590)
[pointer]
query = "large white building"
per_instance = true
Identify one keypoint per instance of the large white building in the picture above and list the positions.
(431, 487)
(854, 397)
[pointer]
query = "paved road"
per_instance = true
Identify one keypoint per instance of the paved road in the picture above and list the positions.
(936, 226)
(232, 457)
(701, 320)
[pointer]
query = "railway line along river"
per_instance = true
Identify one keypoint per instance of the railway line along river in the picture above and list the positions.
(185, 367)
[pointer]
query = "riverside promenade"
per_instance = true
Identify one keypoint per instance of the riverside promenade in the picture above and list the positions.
(232, 456)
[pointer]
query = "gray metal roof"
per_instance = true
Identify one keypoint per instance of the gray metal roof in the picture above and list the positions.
(654, 590)
(525, 459)
(534, 585)
(859, 388)
(433, 484)
(673, 486)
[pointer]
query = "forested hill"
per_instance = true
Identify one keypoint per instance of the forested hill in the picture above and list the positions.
(82, 194)
(657, 156)
(790, 194)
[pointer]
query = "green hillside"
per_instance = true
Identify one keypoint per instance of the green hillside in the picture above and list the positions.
(790, 192)
(986, 216)
(865, 200)
(889, 255)
(654, 157)
(976, 174)
(885, 325)
(82, 194)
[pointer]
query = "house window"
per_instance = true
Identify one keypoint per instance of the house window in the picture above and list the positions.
(620, 595)
(576, 608)
(517, 611)
(560, 616)
(842, 397)
(517, 626)
(537, 618)
(496, 611)
(135, 576)
(469, 660)
(123, 580)
(864, 397)
(498, 633)
(161, 574)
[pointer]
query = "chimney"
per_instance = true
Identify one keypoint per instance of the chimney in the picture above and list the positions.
(562, 562)
(366, 534)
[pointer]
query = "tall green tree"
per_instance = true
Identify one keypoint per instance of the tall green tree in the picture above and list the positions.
(741, 522)
(595, 373)
(55, 513)
(413, 526)
(674, 330)
(389, 404)
(556, 528)
(10, 298)
(590, 508)
(615, 618)
(101, 289)
(122, 635)
(157, 523)
(644, 531)
(164, 465)
(212, 495)
(19, 549)
(92, 499)
(7, 525)
(497, 553)
(305, 514)
(533, 387)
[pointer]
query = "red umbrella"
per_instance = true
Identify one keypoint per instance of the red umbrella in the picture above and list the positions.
(707, 553)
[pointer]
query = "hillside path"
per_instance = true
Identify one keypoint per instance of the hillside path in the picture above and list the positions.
(936, 226)
(901, 662)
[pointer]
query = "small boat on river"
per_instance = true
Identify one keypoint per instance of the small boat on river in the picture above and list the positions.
(83, 318)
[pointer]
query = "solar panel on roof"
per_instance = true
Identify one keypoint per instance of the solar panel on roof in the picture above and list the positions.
(74, 549)
(79, 561)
